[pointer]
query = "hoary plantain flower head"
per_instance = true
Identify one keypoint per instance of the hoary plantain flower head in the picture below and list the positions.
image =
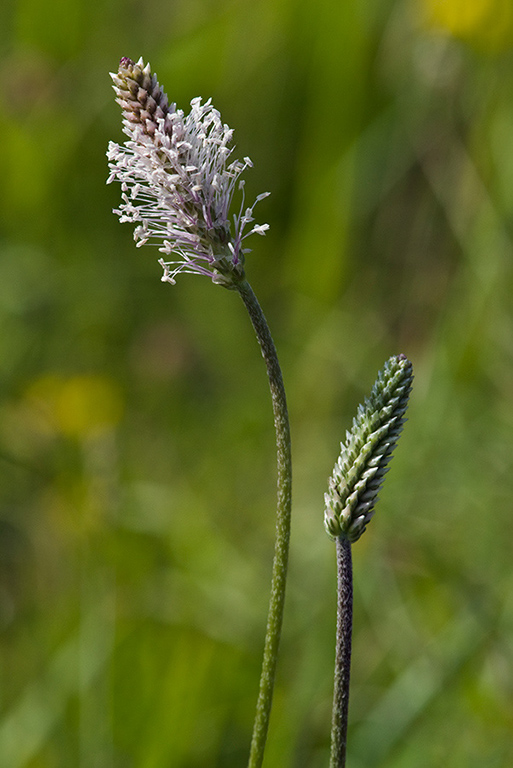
(178, 180)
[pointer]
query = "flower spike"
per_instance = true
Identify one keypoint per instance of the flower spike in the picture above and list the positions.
(362, 464)
(177, 180)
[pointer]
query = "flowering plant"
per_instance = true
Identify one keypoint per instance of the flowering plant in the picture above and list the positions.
(177, 185)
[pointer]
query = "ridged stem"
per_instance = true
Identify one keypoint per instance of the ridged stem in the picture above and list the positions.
(281, 549)
(343, 653)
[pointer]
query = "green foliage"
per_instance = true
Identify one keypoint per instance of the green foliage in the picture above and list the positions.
(137, 478)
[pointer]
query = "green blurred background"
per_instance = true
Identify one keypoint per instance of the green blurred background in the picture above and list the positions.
(137, 469)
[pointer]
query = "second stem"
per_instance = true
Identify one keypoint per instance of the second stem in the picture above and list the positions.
(343, 653)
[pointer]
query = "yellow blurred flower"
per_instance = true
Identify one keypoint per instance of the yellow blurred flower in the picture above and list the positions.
(77, 406)
(486, 24)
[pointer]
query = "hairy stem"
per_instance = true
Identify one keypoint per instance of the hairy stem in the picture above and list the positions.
(343, 653)
(281, 549)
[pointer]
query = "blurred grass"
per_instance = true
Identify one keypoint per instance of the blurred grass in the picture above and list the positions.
(136, 446)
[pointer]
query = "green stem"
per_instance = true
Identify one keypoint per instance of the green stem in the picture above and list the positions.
(343, 653)
(281, 549)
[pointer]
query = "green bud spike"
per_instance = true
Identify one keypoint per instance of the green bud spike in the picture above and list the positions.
(361, 467)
